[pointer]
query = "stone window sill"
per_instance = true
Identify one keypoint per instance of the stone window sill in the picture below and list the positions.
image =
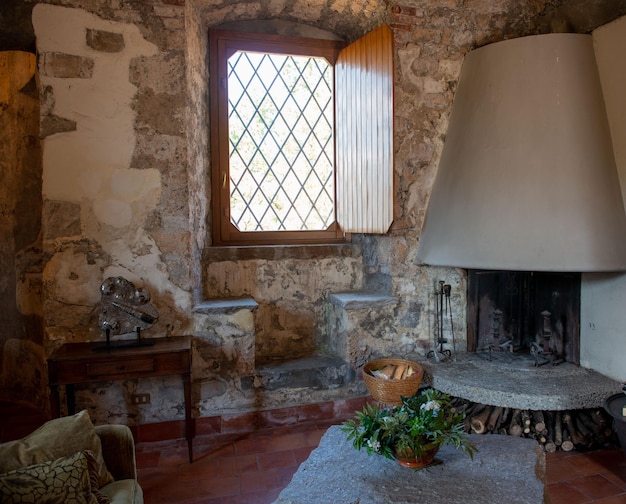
(280, 252)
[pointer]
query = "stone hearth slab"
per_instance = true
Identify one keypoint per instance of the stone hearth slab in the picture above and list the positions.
(506, 469)
(517, 383)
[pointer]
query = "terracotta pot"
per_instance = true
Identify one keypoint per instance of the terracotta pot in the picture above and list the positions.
(408, 459)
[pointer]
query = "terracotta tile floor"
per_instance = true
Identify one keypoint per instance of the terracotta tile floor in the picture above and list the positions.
(253, 468)
(579, 478)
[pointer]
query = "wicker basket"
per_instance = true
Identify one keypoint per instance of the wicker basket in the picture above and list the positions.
(390, 391)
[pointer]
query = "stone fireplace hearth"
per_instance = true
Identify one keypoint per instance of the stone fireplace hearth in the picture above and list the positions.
(513, 383)
(523, 362)
(559, 407)
(507, 325)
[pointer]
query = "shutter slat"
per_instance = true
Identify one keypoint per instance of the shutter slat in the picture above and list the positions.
(364, 73)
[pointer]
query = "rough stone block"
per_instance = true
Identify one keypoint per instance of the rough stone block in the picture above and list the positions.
(52, 124)
(360, 325)
(505, 469)
(66, 66)
(224, 343)
(105, 41)
(61, 219)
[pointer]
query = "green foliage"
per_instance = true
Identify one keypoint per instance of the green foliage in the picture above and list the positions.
(421, 422)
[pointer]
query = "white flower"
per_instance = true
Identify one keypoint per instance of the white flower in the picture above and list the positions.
(431, 405)
(375, 445)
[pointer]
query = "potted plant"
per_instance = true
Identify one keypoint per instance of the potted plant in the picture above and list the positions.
(411, 433)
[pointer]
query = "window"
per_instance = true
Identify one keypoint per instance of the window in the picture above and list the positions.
(274, 142)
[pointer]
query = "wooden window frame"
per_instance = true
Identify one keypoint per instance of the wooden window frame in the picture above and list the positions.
(363, 134)
(222, 45)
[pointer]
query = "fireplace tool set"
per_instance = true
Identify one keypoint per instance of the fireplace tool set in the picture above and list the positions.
(443, 310)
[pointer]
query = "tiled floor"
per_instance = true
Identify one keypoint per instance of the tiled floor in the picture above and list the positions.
(253, 468)
(250, 469)
(579, 478)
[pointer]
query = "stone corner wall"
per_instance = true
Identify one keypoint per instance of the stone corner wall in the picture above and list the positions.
(115, 168)
(124, 123)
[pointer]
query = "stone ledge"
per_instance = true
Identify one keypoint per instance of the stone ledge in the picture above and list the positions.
(521, 386)
(360, 300)
(281, 252)
(225, 305)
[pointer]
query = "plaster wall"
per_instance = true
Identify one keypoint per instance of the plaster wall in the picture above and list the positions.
(602, 324)
(609, 43)
(602, 321)
(124, 127)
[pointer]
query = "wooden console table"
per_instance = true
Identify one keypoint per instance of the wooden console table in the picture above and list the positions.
(81, 363)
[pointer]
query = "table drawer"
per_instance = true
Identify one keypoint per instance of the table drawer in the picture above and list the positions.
(79, 363)
(103, 369)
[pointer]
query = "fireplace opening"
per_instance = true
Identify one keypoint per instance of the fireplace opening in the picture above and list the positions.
(533, 315)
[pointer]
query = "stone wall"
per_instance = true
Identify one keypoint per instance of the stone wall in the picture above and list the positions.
(125, 188)
(115, 173)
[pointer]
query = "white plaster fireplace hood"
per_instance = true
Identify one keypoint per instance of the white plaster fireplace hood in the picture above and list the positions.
(527, 178)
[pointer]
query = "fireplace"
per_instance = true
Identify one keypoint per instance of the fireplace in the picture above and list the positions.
(533, 315)
(509, 315)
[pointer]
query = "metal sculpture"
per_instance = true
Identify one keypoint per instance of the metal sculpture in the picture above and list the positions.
(125, 309)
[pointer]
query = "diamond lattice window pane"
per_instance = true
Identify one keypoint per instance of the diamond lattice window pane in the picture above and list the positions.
(281, 149)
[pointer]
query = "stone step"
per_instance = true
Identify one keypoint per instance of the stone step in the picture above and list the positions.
(318, 372)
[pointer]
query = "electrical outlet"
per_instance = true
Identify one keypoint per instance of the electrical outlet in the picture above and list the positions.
(140, 399)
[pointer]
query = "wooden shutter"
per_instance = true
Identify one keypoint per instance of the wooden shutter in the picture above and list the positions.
(364, 129)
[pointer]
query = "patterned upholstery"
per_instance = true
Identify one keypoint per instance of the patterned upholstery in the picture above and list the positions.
(65, 480)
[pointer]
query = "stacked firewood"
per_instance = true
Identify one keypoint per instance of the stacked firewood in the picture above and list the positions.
(588, 429)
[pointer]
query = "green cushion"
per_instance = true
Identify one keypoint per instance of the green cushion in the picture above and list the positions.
(57, 438)
(67, 480)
